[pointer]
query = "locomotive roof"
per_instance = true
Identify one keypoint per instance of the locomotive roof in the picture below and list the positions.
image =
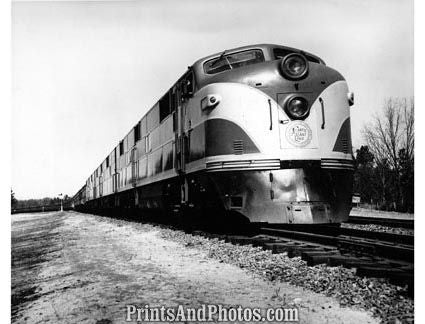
(265, 47)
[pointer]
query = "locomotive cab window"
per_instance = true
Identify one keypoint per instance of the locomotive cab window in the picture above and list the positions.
(233, 61)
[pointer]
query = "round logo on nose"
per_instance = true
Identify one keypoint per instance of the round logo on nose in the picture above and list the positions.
(298, 133)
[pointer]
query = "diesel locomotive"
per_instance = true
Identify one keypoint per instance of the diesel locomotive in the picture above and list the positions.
(260, 131)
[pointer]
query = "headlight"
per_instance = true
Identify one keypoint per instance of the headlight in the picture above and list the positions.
(297, 107)
(294, 66)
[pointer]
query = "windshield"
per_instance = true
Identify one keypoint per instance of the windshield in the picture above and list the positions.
(232, 61)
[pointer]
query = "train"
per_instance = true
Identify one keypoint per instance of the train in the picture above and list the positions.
(258, 133)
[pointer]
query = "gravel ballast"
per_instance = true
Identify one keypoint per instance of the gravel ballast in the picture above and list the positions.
(379, 228)
(384, 300)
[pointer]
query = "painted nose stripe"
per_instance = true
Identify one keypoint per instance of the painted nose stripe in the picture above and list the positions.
(343, 140)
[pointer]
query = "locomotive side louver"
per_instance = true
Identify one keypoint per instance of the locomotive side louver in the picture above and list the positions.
(344, 143)
(238, 147)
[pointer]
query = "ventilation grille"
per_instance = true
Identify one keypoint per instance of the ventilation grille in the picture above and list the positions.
(238, 146)
(344, 143)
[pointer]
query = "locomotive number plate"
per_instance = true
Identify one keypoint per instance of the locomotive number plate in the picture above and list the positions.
(298, 133)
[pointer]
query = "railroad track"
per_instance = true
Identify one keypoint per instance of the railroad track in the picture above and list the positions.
(336, 230)
(364, 242)
(372, 254)
(391, 222)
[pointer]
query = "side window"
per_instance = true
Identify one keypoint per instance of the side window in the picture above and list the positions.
(173, 99)
(107, 162)
(168, 103)
(121, 148)
(136, 132)
(164, 107)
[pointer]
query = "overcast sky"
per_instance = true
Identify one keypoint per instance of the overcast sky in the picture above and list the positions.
(85, 72)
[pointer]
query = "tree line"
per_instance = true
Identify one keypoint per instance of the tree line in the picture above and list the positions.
(32, 203)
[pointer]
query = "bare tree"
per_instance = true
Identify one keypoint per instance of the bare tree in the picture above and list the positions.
(409, 122)
(387, 135)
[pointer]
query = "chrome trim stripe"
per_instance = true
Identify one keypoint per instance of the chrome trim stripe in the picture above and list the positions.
(269, 164)
(243, 165)
(337, 164)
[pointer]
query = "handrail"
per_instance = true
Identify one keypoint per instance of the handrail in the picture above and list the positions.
(271, 117)
(323, 113)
